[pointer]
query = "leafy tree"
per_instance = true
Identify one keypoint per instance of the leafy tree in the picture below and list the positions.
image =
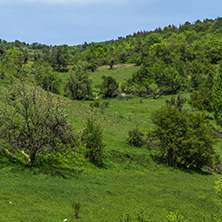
(92, 138)
(201, 98)
(79, 86)
(217, 97)
(11, 62)
(183, 138)
(46, 77)
(169, 80)
(60, 58)
(108, 86)
(35, 121)
(111, 63)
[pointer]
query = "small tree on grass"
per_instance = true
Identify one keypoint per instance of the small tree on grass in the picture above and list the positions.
(92, 137)
(183, 138)
(34, 121)
(79, 86)
(108, 86)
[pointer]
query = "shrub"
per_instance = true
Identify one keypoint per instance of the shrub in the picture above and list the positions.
(135, 137)
(108, 86)
(92, 138)
(218, 188)
(183, 138)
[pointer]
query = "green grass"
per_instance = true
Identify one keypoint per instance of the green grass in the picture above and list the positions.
(120, 73)
(105, 194)
(132, 181)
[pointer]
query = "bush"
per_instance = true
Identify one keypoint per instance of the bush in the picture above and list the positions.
(135, 138)
(183, 138)
(108, 86)
(92, 138)
(79, 85)
(218, 188)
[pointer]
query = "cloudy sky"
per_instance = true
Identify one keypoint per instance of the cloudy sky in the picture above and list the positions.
(72, 22)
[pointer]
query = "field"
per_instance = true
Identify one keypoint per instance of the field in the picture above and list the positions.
(132, 183)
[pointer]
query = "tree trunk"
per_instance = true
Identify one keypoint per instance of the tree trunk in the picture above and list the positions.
(33, 159)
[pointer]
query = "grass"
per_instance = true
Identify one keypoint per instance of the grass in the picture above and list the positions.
(132, 181)
(120, 73)
(105, 195)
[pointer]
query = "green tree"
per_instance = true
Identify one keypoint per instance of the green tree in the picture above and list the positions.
(183, 138)
(46, 77)
(60, 58)
(79, 86)
(11, 63)
(34, 121)
(93, 139)
(108, 86)
(217, 97)
(201, 98)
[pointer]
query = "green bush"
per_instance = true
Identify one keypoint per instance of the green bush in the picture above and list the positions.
(183, 138)
(135, 138)
(92, 138)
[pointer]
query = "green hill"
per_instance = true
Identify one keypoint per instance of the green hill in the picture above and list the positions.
(145, 70)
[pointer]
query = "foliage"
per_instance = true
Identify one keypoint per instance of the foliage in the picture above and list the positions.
(35, 122)
(98, 104)
(177, 102)
(175, 217)
(135, 137)
(93, 139)
(79, 86)
(59, 58)
(201, 98)
(108, 87)
(11, 63)
(217, 97)
(218, 188)
(46, 77)
(184, 138)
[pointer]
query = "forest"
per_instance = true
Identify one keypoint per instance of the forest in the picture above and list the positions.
(143, 111)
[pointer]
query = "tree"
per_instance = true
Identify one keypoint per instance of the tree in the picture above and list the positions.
(79, 86)
(111, 63)
(92, 137)
(108, 86)
(201, 98)
(11, 62)
(35, 121)
(60, 58)
(217, 97)
(183, 138)
(46, 77)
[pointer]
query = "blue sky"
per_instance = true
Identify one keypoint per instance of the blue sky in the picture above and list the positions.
(72, 22)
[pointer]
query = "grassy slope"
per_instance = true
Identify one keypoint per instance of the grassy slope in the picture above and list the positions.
(132, 182)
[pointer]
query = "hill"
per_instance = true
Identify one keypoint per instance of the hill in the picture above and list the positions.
(142, 71)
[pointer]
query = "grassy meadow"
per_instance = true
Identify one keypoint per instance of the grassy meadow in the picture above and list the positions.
(132, 183)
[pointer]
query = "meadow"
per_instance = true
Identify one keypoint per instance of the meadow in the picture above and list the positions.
(132, 183)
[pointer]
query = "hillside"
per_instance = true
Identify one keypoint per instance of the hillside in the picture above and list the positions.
(120, 84)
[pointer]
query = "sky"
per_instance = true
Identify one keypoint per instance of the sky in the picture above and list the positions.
(73, 22)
